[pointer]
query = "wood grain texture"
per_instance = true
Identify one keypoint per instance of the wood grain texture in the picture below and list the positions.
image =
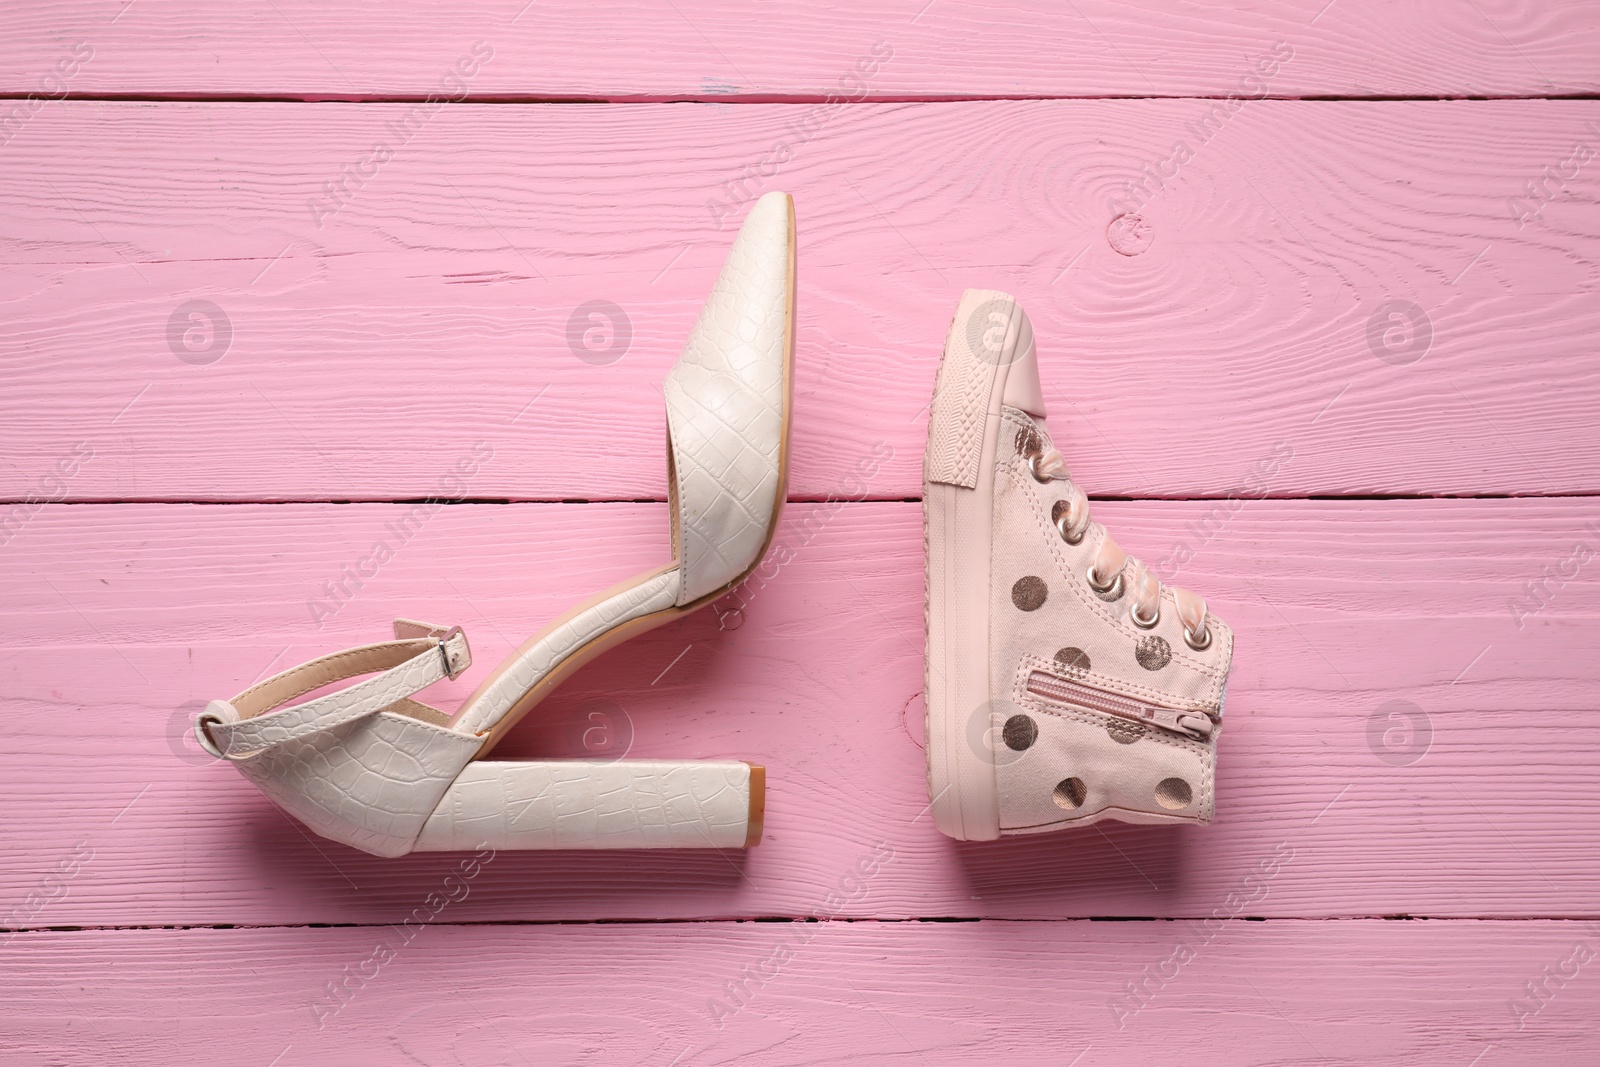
(852, 993)
(125, 618)
(399, 295)
(433, 311)
(723, 50)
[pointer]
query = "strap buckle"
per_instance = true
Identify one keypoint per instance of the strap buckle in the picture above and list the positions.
(450, 670)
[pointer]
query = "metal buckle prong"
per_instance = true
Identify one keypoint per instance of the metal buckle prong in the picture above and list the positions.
(450, 670)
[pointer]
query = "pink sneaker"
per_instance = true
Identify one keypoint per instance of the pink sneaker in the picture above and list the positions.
(1065, 684)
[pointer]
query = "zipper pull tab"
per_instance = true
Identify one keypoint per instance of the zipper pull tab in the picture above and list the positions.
(1194, 724)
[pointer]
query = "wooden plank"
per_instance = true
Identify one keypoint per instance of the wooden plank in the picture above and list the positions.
(716, 51)
(1281, 992)
(125, 618)
(433, 315)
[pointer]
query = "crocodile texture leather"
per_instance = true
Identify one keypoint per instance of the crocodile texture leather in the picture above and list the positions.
(588, 804)
(726, 407)
(532, 663)
(421, 662)
(371, 784)
(371, 768)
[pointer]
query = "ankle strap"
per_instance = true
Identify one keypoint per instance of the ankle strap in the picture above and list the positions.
(248, 725)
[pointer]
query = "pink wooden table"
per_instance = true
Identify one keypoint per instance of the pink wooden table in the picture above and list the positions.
(1342, 378)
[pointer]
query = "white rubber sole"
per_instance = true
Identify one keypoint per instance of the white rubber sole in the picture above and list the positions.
(958, 507)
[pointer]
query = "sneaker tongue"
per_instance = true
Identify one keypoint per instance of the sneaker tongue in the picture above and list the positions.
(1022, 373)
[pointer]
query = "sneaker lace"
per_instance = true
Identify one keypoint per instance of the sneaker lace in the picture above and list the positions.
(1111, 564)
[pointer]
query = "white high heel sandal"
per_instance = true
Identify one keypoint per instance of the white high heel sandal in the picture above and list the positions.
(370, 767)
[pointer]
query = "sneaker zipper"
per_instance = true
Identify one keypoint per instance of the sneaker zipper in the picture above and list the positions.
(1185, 721)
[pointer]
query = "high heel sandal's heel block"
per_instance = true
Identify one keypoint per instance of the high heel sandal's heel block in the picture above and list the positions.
(372, 767)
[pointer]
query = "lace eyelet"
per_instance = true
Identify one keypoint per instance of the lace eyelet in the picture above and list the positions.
(1065, 530)
(1199, 644)
(1140, 621)
(1033, 468)
(1111, 590)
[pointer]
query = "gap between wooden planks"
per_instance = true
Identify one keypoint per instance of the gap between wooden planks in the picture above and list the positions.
(718, 52)
(1397, 733)
(440, 313)
(1019, 993)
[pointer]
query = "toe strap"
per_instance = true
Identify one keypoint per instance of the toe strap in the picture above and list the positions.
(257, 720)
